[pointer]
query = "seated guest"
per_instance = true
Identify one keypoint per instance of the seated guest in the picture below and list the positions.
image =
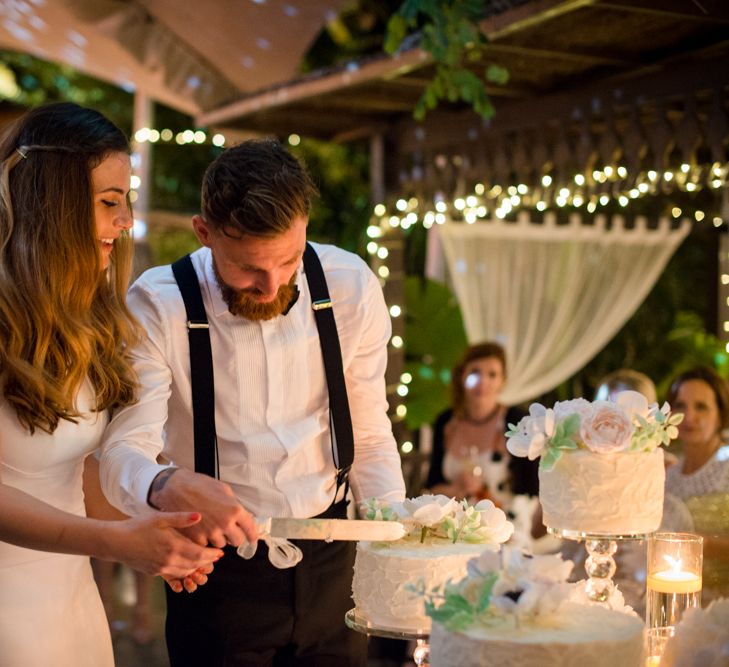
(469, 458)
(701, 476)
(625, 379)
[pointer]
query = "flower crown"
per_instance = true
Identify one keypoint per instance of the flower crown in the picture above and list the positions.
(439, 518)
(627, 424)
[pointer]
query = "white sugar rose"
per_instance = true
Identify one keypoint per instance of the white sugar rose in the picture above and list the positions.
(606, 429)
(578, 406)
(428, 510)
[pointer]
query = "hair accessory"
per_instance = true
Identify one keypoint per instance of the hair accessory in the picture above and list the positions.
(22, 151)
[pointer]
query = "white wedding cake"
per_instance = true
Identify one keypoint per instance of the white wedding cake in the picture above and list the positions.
(515, 610)
(443, 536)
(601, 465)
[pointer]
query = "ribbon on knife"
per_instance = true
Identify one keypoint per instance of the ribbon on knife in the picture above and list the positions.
(282, 553)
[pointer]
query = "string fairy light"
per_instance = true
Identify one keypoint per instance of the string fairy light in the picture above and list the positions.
(188, 136)
(590, 191)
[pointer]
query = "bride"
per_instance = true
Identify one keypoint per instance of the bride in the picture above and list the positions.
(65, 257)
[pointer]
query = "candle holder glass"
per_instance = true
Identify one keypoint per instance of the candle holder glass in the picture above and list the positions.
(655, 643)
(674, 577)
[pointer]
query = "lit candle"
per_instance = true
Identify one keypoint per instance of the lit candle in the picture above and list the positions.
(674, 581)
(674, 578)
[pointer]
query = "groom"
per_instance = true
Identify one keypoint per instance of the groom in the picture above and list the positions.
(298, 413)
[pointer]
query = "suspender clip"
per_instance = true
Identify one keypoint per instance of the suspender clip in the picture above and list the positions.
(197, 325)
(321, 304)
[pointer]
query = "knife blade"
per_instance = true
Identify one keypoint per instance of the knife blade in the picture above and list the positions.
(333, 529)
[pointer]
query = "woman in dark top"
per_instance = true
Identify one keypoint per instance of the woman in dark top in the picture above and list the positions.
(469, 457)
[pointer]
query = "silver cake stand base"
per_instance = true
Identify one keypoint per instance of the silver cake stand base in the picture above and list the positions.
(600, 564)
(421, 637)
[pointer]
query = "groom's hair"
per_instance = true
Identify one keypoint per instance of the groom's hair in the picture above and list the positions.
(256, 188)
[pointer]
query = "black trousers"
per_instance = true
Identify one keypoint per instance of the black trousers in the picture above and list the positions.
(251, 614)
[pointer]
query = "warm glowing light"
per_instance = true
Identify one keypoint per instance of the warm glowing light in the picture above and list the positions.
(406, 447)
(380, 210)
(218, 140)
(396, 342)
(401, 205)
(676, 211)
(382, 252)
(383, 272)
(395, 311)
(406, 378)
(546, 180)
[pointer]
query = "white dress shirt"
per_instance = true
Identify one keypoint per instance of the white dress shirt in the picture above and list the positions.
(271, 398)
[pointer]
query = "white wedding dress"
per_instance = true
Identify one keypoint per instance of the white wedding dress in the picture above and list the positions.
(50, 609)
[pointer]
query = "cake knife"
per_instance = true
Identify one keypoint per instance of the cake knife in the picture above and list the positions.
(332, 529)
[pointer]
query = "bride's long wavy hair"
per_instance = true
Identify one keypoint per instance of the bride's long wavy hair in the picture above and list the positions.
(63, 318)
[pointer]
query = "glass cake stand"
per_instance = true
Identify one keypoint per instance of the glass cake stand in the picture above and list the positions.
(361, 624)
(600, 564)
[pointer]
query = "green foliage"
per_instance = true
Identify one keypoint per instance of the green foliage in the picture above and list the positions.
(357, 30)
(41, 82)
(342, 212)
(168, 245)
(456, 613)
(451, 34)
(434, 341)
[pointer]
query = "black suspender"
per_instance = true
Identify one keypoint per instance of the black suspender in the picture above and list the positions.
(340, 418)
(201, 368)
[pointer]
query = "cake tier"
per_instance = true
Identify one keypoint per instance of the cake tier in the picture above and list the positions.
(577, 636)
(382, 570)
(616, 494)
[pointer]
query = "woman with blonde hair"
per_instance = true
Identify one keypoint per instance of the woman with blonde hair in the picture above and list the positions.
(65, 258)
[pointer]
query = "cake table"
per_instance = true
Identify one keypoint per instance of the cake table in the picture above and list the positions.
(359, 623)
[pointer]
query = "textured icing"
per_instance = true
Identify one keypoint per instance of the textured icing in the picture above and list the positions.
(381, 572)
(576, 636)
(620, 493)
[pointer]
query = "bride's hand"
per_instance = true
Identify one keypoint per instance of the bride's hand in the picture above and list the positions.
(155, 545)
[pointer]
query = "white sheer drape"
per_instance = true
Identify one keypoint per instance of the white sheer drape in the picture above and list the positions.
(552, 295)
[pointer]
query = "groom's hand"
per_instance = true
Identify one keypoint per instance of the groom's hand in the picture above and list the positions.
(224, 519)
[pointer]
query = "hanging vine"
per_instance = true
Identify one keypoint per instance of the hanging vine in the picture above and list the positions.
(450, 32)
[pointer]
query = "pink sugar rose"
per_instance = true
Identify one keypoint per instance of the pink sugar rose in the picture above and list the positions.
(606, 428)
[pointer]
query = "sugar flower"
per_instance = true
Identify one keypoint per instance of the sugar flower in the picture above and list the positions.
(440, 518)
(626, 424)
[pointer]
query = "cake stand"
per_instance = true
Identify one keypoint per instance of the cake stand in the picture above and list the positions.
(600, 564)
(361, 624)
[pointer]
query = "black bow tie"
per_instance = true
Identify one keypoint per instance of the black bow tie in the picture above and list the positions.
(294, 299)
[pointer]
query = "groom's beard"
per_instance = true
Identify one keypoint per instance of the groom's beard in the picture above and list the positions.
(242, 304)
